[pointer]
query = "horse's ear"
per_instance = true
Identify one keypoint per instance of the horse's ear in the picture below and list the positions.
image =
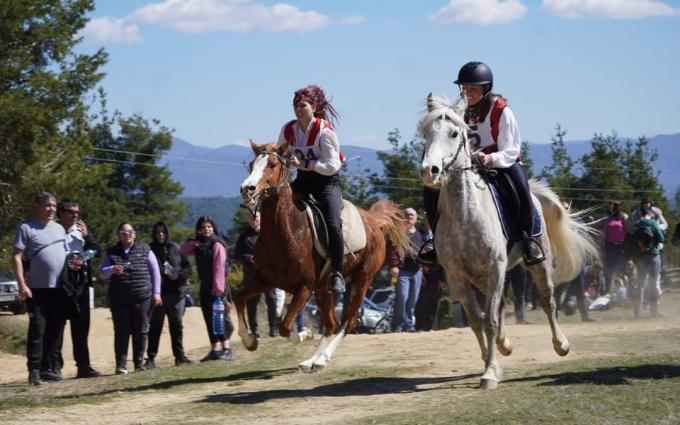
(256, 148)
(430, 102)
(283, 149)
(460, 105)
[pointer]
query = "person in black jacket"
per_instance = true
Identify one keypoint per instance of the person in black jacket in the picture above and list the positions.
(244, 253)
(134, 286)
(79, 239)
(175, 271)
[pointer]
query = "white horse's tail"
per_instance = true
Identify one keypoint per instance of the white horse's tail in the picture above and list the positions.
(571, 240)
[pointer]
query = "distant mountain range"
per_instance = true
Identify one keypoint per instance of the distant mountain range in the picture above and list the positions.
(209, 172)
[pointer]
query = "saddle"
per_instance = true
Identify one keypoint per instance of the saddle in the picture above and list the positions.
(506, 200)
(353, 231)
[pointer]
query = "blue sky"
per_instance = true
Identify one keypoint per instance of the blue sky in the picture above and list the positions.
(222, 71)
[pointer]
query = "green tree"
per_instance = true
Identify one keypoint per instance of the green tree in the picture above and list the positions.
(357, 186)
(559, 174)
(401, 180)
(43, 116)
(140, 188)
(638, 161)
(603, 171)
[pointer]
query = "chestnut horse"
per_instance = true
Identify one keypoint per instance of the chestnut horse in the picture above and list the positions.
(285, 258)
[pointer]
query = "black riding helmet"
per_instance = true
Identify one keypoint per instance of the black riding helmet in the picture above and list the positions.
(475, 74)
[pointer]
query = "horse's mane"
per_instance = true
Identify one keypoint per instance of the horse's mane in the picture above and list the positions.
(436, 107)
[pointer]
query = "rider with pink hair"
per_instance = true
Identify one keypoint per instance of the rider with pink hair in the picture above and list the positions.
(315, 152)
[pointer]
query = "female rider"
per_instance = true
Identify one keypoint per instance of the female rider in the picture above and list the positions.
(495, 135)
(316, 154)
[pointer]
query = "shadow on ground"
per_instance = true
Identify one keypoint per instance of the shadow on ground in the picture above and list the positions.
(621, 375)
(355, 387)
(163, 385)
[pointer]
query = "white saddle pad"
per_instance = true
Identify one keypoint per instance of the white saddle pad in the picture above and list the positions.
(353, 231)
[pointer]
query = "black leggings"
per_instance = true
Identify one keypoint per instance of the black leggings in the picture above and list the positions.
(328, 192)
(519, 179)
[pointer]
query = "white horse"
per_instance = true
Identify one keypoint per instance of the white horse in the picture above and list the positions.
(470, 242)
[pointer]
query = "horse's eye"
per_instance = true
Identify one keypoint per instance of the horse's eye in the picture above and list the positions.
(453, 134)
(271, 165)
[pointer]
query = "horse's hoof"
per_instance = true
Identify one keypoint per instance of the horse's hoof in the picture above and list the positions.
(304, 368)
(505, 348)
(561, 349)
(319, 367)
(251, 347)
(488, 384)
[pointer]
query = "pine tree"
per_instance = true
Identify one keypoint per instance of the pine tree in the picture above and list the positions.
(43, 84)
(603, 172)
(638, 161)
(559, 174)
(140, 189)
(401, 181)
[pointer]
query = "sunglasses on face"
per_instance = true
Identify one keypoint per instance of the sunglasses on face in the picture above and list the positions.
(126, 232)
(72, 212)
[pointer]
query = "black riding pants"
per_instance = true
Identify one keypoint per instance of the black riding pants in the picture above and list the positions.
(519, 179)
(327, 191)
(430, 200)
(173, 307)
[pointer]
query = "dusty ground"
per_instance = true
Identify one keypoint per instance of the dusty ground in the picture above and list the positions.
(443, 354)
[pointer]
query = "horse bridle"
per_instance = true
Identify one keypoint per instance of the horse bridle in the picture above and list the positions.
(474, 163)
(283, 180)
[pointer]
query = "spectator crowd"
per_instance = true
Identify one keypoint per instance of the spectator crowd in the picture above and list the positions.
(147, 283)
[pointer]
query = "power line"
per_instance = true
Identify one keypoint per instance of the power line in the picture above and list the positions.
(118, 161)
(167, 157)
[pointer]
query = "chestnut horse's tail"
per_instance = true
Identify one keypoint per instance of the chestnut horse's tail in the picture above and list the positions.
(393, 224)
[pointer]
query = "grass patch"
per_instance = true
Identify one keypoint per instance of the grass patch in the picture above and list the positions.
(12, 335)
(637, 390)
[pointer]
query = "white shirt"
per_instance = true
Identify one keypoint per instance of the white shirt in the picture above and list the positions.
(509, 139)
(75, 242)
(323, 156)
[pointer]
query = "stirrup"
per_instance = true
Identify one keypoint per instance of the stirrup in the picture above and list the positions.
(532, 252)
(427, 256)
(337, 283)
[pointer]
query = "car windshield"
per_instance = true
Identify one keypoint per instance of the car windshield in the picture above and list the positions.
(6, 276)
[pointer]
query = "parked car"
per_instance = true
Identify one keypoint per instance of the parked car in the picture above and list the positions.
(9, 294)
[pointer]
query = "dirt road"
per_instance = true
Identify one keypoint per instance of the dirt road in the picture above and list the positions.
(452, 352)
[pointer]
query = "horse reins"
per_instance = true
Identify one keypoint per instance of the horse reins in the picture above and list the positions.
(474, 162)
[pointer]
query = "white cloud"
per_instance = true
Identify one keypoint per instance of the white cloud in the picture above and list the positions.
(608, 9)
(198, 16)
(110, 30)
(480, 12)
(352, 20)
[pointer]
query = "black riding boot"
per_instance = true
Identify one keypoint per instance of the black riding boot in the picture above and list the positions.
(336, 283)
(427, 255)
(532, 251)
